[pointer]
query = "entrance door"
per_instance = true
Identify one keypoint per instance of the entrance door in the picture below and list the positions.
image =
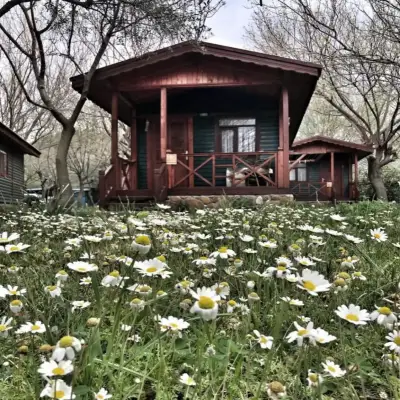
(338, 177)
(178, 144)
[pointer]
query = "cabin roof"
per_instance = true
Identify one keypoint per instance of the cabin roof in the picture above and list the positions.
(301, 76)
(16, 141)
(361, 149)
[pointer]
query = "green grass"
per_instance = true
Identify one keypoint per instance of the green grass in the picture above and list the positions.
(221, 355)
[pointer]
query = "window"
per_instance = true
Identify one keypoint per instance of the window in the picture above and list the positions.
(3, 163)
(237, 135)
(298, 173)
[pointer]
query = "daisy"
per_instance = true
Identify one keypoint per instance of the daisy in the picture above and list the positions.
(265, 342)
(142, 244)
(205, 261)
(384, 316)
(269, 244)
(184, 286)
(74, 242)
(53, 291)
(13, 291)
(5, 326)
(353, 314)
(358, 275)
(187, 380)
(230, 306)
(58, 389)
(378, 234)
(152, 267)
(92, 238)
(66, 347)
(102, 394)
(16, 306)
(333, 369)
(353, 239)
(305, 261)
(173, 324)
(283, 262)
(87, 280)
(276, 390)
(302, 333)
(126, 328)
(332, 232)
(62, 275)
(224, 253)
(314, 379)
(394, 341)
(141, 289)
(206, 304)
(28, 327)
(79, 304)
(137, 304)
(281, 270)
(5, 238)
(293, 302)
(82, 266)
(246, 238)
(313, 282)
(222, 289)
(337, 217)
(52, 368)
(322, 336)
(112, 279)
(16, 248)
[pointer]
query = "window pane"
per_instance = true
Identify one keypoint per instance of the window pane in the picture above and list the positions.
(237, 122)
(227, 140)
(302, 173)
(292, 174)
(246, 139)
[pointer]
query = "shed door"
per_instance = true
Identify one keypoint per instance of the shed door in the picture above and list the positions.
(178, 144)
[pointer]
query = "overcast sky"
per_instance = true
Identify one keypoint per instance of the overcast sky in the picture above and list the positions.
(229, 22)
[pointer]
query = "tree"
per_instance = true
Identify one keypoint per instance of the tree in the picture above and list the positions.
(79, 35)
(357, 84)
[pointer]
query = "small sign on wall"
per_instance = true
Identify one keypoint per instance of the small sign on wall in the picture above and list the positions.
(328, 184)
(171, 159)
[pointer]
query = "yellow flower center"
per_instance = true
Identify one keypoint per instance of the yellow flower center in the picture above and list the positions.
(162, 258)
(276, 387)
(352, 317)
(174, 325)
(357, 274)
(151, 270)
(340, 282)
(143, 240)
(281, 268)
(344, 275)
(295, 246)
(58, 371)
(313, 377)
(223, 250)
(302, 332)
(35, 328)
(62, 272)
(144, 289)
(309, 285)
(100, 397)
(13, 292)
(51, 288)
(206, 303)
(114, 274)
(377, 235)
(232, 303)
(384, 310)
(82, 269)
(203, 258)
(66, 341)
(263, 339)
(16, 303)
(396, 340)
(332, 369)
(14, 248)
(136, 301)
(3, 328)
(59, 394)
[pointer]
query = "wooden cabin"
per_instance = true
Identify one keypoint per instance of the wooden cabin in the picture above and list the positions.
(12, 151)
(207, 119)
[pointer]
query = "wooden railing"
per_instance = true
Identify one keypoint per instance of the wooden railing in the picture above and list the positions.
(237, 169)
(311, 189)
(161, 183)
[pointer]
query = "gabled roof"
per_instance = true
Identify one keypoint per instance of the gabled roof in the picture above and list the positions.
(7, 135)
(361, 148)
(204, 48)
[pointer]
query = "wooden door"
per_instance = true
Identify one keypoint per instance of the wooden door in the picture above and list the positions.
(178, 144)
(338, 184)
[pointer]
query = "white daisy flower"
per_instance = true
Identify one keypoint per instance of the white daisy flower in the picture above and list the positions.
(52, 368)
(58, 389)
(305, 261)
(313, 282)
(384, 316)
(142, 244)
(152, 267)
(82, 266)
(102, 394)
(223, 252)
(173, 324)
(394, 341)
(5, 326)
(28, 327)
(265, 342)
(302, 333)
(187, 380)
(379, 235)
(353, 314)
(79, 304)
(16, 248)
(314, 379)
(206, 304)
(333, 369)
(322, 336)
(6, 238)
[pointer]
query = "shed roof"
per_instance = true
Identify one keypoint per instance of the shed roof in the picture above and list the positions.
(362, 149)
(8, 136)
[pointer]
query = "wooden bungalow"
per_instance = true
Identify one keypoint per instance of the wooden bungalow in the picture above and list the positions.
(12, 150)
(207, 119)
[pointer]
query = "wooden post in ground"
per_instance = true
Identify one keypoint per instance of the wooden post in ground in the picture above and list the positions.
(163, 124)
(356, 176)
(114, 139)
(332, 178)
(190, 150)
(133, 167)
(283, 150)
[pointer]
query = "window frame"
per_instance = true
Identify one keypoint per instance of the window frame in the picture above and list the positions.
(235, 128)
(295, 170)
(4, 171)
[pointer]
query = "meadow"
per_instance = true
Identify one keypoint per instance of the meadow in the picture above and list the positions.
(276, 302)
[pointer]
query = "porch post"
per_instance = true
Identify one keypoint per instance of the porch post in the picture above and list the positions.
(163, 124)
(356, 169)
(114, 139)
(332, 170)
(133, 169)
(283, 150)
(191, 150)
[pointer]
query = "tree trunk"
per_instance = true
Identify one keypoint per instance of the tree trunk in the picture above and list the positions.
(81, 191)
(376, 179)
(65, 194)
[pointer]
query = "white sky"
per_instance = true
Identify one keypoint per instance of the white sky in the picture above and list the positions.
(228, 23)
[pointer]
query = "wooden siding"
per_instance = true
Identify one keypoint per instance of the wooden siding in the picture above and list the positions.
(141, 154)
(12, 186)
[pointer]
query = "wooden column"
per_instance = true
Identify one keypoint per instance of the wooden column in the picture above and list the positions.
(114, 139)
(283, 150)
(332, 178)
(133, 168)
(163, 124)
(190, 150)
(356, 169)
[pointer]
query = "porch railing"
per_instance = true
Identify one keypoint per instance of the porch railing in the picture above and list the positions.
(310, 189)
(236, 169)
